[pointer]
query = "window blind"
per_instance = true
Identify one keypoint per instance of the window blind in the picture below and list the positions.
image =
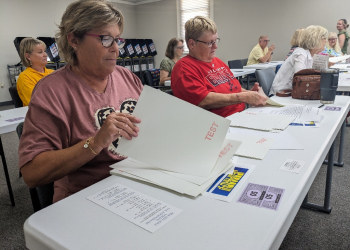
(190, 9)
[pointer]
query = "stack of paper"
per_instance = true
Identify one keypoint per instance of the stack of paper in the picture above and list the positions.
(180, 146)
(183, 183)
(260, 121)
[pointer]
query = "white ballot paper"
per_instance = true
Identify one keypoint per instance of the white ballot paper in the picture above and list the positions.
(228, 184)
(283, 140)
(140, 209)
(338, 58)
(252, 146)
(175, 135)
(293, 166)
(259, 121)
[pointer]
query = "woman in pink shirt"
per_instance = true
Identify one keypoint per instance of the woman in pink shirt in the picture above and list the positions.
(78, 113)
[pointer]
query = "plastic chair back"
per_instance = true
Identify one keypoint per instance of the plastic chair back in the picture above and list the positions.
(265, 78)
(15, 97)
(244, 61)
(235, 64)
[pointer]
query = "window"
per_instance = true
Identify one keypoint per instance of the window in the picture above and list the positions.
(188, 9)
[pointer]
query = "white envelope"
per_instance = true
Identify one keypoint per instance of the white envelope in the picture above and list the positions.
(175, 135)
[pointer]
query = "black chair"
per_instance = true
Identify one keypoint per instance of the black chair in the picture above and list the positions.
(265, 78)
(238, 64)
(148, 80)
(41, 196)
(235, 64)
(244, 61)
(15, 97)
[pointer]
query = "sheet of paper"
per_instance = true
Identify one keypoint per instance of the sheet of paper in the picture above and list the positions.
(310, 114)
(320, 62)
(273, 103)
(252, 146)
(338, 58)
(175, 135)
(293, 166)
(227, 185)
(261, 196)
(283, 140)
(140, 209)
(259, 121)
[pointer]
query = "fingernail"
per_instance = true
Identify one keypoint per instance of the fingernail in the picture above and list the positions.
(138, 119)
(135, 134)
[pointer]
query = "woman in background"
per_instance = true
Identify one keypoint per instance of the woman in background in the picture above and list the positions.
(294, 42)
(34, 57)
(312, 41)
(332, 47)
(173, 53)
(343, 35)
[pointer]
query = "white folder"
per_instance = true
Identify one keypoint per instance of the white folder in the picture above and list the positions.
(175, 135)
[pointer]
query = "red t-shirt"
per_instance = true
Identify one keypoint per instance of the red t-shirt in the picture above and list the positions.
(192, 80)
(64, 111)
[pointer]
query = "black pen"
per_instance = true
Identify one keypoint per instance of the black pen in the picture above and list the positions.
(321, 106)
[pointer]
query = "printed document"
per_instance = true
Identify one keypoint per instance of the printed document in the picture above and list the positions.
(140, 209)
(175, 135)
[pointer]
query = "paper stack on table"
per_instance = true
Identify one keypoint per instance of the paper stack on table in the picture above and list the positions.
(180, 146)
(182, 183)
(260, 121)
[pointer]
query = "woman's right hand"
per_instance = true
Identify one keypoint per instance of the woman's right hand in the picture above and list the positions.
(255, 98)
(116, 125)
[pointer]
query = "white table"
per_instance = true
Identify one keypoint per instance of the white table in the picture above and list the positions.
(6, 126)
(242, 72)
(238, 73)
(77, 223)
(266, 65)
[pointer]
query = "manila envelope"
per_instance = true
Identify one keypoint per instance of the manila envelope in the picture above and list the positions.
(175, 135)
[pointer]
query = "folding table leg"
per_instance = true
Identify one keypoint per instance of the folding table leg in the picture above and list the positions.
(327, 197)
(340, 162)
(6, 173)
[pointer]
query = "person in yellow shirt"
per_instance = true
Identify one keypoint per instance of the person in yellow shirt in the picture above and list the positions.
(34, 57)
(261, 53)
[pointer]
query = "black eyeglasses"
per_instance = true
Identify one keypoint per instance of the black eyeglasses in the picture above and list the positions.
(211, 43)
(107, 41)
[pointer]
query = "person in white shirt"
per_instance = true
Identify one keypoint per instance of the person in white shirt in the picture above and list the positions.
(312, 41)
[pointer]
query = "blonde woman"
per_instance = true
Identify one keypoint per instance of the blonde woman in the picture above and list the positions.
(332, 47)
(203, 79)
(34, 57)
(312, 41)
(294, 42)
(78, 113)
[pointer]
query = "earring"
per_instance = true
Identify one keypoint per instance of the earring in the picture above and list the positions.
(30, 63)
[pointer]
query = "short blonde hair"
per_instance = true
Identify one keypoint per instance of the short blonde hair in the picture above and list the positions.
(336, 46)
(311, 37)
(294, 42)
(27, 46)
(82, 16)
(197, 26)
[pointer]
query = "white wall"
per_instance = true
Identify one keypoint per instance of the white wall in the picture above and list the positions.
(24, 18)
(157, 21)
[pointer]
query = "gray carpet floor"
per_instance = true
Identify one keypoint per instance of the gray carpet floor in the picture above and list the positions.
(309, 230)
